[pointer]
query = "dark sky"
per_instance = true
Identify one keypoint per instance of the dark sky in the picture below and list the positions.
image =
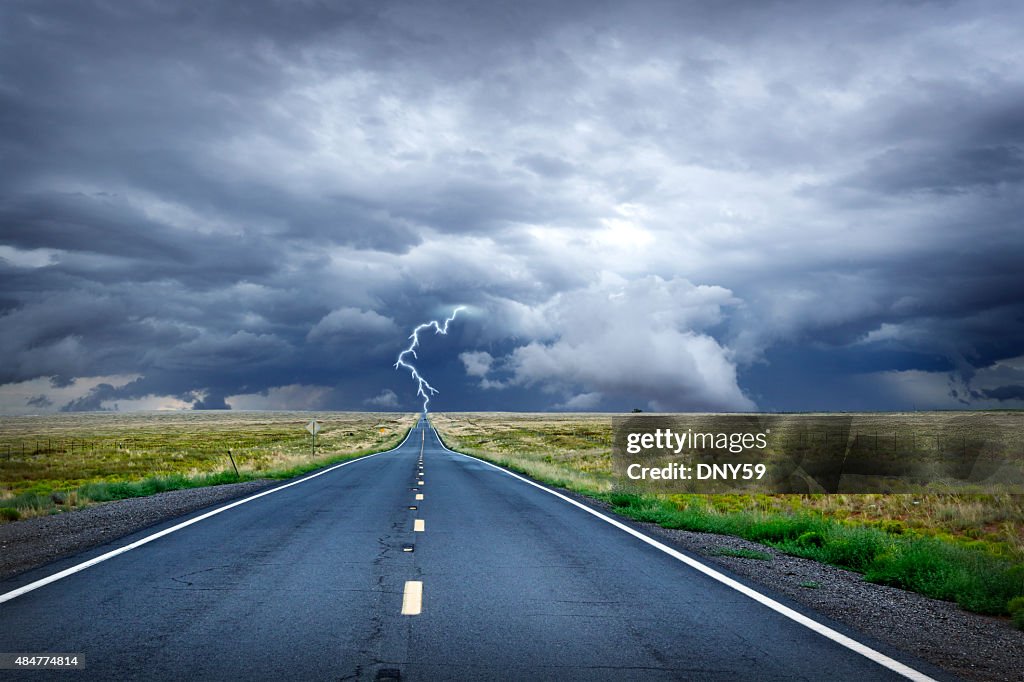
(664, 205)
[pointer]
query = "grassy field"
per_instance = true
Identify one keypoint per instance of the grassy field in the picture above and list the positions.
(54, 462)
(967, 548)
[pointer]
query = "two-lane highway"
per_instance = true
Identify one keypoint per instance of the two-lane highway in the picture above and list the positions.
(418, 564)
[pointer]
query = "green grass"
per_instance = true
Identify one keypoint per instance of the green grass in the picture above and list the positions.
(971, 576)
(743, 553)
(975, 580)
(962, 548)
(1016, 609)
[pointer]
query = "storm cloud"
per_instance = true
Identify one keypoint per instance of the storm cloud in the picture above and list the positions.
(671, 206)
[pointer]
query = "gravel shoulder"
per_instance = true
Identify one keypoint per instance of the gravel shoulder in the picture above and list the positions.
(35, 542)
(971, 646)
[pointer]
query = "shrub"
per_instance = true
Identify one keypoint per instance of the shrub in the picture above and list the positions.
(894, 527)
(782, 528)
(811, 539)
(853, 547)
(622, 499)
(977, 581)
(9, 514)
(1015, 607)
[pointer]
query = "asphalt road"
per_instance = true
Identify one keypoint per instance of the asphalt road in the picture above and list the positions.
(311, 581)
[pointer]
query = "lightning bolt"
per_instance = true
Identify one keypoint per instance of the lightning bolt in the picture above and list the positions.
(423, 386)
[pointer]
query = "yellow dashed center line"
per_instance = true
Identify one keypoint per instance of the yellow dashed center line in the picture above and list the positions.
(412, 600)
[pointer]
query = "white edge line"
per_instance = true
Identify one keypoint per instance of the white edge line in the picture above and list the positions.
(824, 630)
(24, 589)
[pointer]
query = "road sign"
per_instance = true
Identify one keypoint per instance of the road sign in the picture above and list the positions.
(313, 427)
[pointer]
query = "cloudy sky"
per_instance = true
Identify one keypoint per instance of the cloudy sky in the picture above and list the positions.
(663, 205)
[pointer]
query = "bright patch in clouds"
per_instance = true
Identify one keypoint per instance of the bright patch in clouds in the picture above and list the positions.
(291, 397)
(644, 339)
(385, 399)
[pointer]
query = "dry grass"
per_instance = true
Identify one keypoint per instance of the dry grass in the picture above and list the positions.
(574, 450)
(56, 455)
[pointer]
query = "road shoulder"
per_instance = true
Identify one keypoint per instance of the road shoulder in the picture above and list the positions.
(35, 542)
(969, 645)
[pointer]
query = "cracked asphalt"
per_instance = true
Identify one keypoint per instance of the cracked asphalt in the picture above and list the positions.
(310, 582)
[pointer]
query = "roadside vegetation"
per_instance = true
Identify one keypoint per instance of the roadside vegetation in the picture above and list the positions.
(966, 548)
(59, 462)
(743, 553)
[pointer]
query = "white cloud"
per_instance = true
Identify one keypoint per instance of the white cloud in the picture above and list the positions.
(583, 401)
(481, 364)
(158, 403)
(350, 322)
(290, 397)
(639, 340)
(386, 398)
(28, 258)
(477, 363)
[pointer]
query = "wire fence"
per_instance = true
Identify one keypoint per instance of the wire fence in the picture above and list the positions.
(857, 443)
